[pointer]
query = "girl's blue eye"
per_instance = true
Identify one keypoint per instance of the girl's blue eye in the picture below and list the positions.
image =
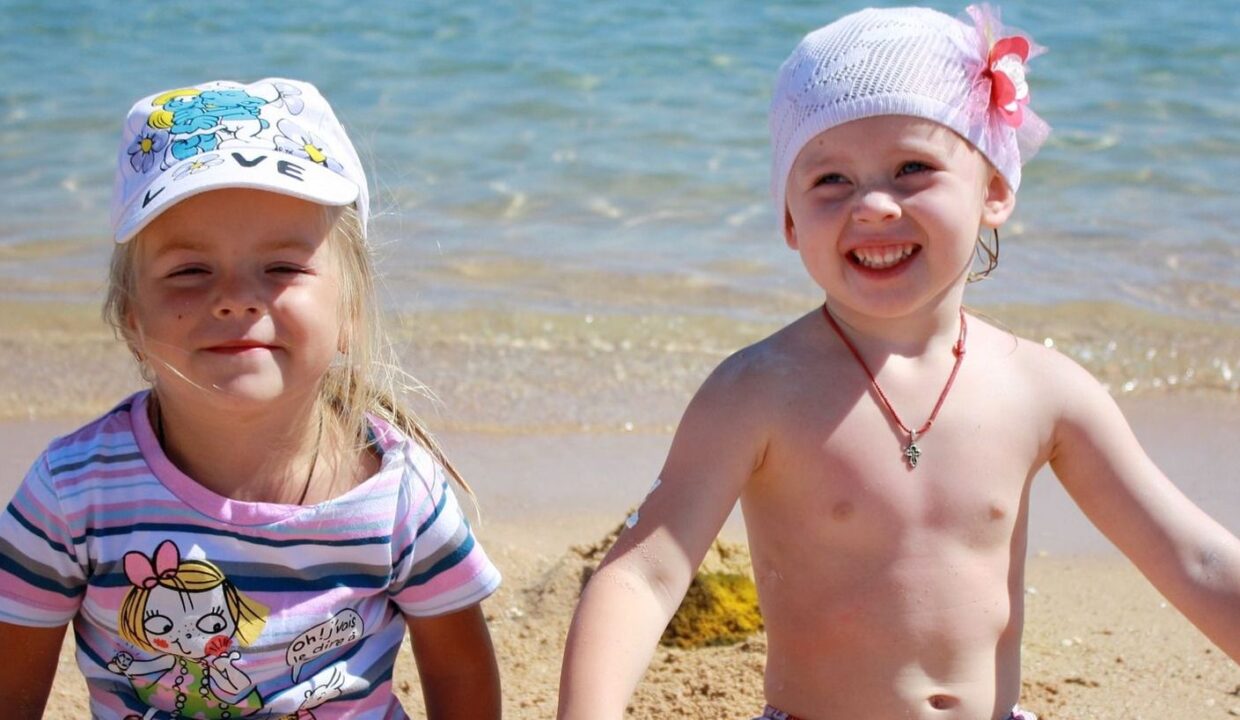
(185, 271)
(830, 179)
(913, 167)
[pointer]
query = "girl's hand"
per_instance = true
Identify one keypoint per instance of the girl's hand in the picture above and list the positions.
(456, 664)
(120, 662)
(224, 662)
(229, 677)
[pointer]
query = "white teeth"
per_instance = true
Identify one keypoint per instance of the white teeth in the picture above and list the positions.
(880, 258)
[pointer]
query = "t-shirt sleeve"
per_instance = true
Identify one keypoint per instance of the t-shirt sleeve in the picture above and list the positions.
(42, 581)
(438, 564)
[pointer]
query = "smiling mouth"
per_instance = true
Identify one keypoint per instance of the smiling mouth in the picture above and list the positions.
(883, 258)
(236, 349)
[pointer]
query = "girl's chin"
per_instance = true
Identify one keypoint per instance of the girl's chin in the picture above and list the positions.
(885, 306)
(235, 393)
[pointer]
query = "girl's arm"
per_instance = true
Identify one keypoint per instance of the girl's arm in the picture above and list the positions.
(456, 664)
(1193, 560)
(125, 664)
(639, 585)
(25, 681)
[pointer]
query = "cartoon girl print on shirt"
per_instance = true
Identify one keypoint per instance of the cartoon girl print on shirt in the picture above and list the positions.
(189, 615)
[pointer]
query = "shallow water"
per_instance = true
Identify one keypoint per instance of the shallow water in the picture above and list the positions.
(572, 200)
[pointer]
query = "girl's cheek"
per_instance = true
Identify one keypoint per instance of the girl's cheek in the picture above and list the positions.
(160, 643)
(217, 645)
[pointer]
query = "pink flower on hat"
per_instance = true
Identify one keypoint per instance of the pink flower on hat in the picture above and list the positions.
(1007, 51)
(1009, 92)
(145, 148)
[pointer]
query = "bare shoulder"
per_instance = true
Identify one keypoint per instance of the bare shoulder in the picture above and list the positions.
(1050, 380)
(759, 374)
(1027, 361)
(729, 420)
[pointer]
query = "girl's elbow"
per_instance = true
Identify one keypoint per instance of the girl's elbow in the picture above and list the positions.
(622, 584)
(1215, 566)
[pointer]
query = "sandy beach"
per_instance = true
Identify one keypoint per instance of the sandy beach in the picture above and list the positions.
(570, 209)
(1099, 641)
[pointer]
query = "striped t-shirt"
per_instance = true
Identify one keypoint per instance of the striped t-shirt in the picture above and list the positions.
(199, 606)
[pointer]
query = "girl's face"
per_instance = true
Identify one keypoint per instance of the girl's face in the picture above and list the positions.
(237, 299)
(188, 624)
(885, 212)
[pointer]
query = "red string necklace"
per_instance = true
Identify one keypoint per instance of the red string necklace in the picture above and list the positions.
(911, 452)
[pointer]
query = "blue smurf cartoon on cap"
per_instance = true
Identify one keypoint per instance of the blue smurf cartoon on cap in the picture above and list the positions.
(276, 134)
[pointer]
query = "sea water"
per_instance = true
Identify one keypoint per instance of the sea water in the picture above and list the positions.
(571, 198)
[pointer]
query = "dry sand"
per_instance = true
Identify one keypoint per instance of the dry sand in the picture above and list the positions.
(1099, 641)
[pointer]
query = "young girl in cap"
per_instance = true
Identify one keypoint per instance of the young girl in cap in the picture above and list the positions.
(252, 535)
(883, 445)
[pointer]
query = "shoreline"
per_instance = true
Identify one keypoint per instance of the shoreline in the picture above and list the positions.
(602, 368)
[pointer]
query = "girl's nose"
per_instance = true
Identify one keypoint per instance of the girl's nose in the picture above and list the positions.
(875, 206)
(237, 295)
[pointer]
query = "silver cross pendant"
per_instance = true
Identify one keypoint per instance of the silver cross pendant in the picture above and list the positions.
(911, 451)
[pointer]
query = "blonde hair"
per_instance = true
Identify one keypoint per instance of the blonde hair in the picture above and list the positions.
(192, 576)
(367, 378)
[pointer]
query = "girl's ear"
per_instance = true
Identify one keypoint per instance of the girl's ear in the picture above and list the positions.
(131, 333)
(790, 230)
(998, 202)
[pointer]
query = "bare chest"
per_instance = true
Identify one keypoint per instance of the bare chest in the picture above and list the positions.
(842, 472)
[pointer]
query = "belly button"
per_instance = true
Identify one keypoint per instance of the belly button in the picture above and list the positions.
(943, 702)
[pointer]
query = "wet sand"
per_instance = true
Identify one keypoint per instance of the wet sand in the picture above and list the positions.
(1098, 639)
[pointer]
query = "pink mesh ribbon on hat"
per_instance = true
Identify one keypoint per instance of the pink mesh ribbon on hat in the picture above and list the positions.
(1000, 95)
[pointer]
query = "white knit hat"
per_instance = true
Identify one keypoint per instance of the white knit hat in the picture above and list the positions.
(908, 61)
(275, 134)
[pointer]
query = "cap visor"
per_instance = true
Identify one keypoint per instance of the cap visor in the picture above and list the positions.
(253, 168)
